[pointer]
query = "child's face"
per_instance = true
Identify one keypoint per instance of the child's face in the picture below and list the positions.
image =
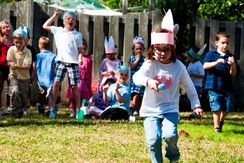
(162, 53)
(122, 76)
(19, 43)
(69, 22)
(138, 49)
(5, 29)
(84, 47)
(110, 56)
(223, 44)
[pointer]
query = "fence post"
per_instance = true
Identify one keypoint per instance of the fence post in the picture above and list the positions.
(29, 16)
(125, 6)
(241, 92)
(200, 32)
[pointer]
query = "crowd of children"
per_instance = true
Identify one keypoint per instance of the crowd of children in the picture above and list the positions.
(149, 87)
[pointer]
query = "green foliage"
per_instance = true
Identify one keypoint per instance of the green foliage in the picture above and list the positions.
(232, 10)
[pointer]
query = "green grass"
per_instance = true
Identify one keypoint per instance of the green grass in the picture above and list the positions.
(36, 138)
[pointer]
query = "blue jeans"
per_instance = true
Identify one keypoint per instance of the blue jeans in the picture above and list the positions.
(165, 127)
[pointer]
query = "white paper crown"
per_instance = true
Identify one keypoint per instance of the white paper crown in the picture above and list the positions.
(200, 52)
(109, 45)
(165, 38)
(138, 39)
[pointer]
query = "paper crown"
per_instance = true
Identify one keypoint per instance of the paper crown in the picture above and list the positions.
(198, 54)
(20, 33)
(27, 30)
(109, 45)
(167, 37)
(122, 68)
(69, 12)
(138, 39)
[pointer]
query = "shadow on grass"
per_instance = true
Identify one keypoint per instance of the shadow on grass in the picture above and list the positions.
(62, 120)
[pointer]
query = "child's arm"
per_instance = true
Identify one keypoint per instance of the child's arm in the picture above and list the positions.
(48, 23)
(105, 93)
(118, 95)
(134, 63)
(209, 65)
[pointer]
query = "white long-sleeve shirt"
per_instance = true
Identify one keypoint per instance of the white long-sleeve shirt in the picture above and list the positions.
(167, 100)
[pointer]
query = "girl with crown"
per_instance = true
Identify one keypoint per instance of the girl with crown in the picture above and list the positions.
(160, 105)
(109, 63)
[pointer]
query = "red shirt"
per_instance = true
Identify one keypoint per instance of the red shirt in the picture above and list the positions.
(4, 46)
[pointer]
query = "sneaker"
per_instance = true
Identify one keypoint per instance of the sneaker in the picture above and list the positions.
(10, 110)
(72, 115)
(40, 108)
(24, 113)
(193, 116)
(54, 112)
(217, 130)
(135, 113)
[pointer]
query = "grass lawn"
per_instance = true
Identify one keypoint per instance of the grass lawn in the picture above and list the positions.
(36, 138)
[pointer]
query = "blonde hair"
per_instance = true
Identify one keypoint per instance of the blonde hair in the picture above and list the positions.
(1, 26)
(43, 42)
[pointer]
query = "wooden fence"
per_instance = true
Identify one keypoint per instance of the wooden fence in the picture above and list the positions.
(123, 29)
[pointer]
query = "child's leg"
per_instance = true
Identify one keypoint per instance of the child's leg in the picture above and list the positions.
(216, 119)
(153, 134)
(24, 90)
(170, 134)
(76, 95)
(15, 95)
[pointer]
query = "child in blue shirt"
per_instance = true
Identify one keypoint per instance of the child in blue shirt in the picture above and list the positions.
(45, 66)
(118, 96)
(220, 67)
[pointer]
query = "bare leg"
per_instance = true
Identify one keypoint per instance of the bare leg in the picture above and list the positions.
(1, 89)
(223, 115)
(56, 86)
(216, 119)
(76, 95)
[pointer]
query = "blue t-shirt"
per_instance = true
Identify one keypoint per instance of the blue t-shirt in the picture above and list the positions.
(218, 77)
(45, 64)
(124, 91)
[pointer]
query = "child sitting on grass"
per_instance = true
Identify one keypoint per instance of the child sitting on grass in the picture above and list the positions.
(118, 96)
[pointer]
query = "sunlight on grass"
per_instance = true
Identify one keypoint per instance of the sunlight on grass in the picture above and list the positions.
(36, 138)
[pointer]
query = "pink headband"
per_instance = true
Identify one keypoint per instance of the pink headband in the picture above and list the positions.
(162, 38)
(110, 50)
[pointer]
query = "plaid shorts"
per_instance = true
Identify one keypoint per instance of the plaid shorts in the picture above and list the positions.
(73, 72)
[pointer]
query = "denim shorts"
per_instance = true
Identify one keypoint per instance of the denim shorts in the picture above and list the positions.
(221, 101)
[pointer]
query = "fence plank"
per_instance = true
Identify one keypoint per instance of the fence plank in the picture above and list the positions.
(230, 29)
(143, 27)
(241, 94)
(214, 28)
(84, 26)
(114, 28)
(156, 18)
(98, 47)
(128, 37)
(200, 32)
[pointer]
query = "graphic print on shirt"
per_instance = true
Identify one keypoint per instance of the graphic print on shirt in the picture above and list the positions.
(164, 81)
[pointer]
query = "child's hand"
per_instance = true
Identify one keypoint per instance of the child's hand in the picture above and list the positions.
(199, 112)
(111, 73)
(57, 13)
(220, 61)
(14, 66)
(105, 88)
(231, 60)
(153, 84)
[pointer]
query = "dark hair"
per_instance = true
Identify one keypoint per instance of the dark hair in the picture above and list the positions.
(109, 80)
(221, 34)
(133, 47)
(167, 46)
